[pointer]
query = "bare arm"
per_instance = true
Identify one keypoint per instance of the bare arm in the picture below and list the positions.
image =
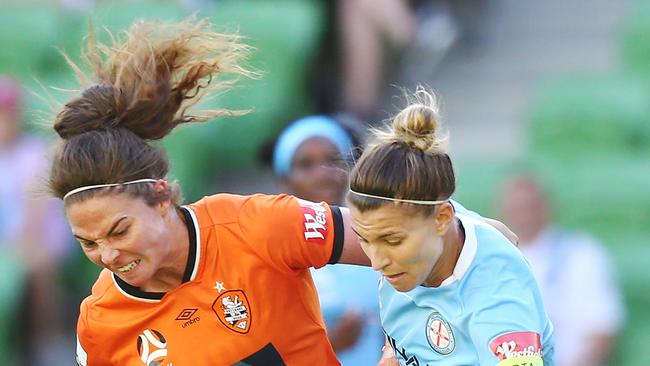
(352, 252)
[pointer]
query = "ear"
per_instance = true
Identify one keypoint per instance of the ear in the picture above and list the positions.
(160, 188)
(443, 216)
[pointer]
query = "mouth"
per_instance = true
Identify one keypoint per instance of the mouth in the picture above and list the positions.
(394, 277)
(129, 267)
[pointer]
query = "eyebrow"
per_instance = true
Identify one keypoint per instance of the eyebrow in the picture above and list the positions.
(359, 235)
(109, 231)
(382, 236)
(390, 233)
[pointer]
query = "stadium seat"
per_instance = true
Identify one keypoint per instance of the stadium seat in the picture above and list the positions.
(581, 116)
(26, 36)
(635, 43)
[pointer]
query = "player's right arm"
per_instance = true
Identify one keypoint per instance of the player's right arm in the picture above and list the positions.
(83, 337)
(82, 355)
(88, 352)
(352, 252)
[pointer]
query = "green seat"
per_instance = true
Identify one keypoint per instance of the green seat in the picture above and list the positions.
(573, 118)
(118, 16)
(11, 293)
(595, 194)
(600, 193)
(27, 38)
(635, 38)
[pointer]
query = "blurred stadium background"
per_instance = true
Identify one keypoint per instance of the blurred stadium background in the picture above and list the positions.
(561, 88)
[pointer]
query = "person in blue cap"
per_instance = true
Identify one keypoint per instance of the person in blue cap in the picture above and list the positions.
(311, 157)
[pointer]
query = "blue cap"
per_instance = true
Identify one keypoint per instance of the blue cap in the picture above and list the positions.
(303, 129)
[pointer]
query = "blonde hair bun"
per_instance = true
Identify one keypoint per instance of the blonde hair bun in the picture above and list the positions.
(417, 125)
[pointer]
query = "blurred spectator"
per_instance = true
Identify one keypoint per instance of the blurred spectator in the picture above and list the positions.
(33, 229)
(311, 157)
(574, 274)
(354, 56)
(367, 28)
(370, 44)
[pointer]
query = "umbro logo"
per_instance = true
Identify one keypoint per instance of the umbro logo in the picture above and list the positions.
(187, 317)
(186, 314)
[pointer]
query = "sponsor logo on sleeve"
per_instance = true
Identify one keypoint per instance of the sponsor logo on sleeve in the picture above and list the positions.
(315, 221)
(519, 347)
(233, 311)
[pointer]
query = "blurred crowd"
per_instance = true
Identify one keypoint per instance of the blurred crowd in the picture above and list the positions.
(336, 88)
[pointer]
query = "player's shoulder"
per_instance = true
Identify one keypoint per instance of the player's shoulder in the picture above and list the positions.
(219, 205)
(494, 258)
(225, 208)
(101, 288)
(103, 298)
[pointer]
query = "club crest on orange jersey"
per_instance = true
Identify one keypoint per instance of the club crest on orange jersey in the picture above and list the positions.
(233, 310)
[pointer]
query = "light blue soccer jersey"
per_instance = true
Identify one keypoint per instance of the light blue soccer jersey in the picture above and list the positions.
(489, 312)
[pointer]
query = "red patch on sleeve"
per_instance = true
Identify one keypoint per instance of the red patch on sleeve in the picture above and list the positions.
(515, 344)
(314, 221)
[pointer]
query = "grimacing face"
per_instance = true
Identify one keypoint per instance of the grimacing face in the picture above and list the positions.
(401, 246)
(123, 234)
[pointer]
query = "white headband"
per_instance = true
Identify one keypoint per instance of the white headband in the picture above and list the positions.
(85, 188)
(417, 202)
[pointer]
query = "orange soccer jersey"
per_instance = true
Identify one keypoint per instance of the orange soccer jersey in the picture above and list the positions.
(247, 296)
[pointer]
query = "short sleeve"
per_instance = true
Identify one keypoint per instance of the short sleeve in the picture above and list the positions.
(292, 233)
(508, 322)
(82, 355)
(86, 355)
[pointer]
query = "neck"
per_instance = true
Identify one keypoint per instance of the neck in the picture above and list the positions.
(171, 274)
(452, 245)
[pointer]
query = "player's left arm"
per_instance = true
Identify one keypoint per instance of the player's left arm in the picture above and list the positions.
(508, 325)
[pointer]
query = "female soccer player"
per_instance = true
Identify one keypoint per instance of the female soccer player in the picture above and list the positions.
(222, 281)
(453, 290)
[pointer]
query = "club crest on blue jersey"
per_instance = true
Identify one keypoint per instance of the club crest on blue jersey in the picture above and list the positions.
(439, 334)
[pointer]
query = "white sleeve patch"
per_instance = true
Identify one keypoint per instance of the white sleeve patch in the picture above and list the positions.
(82, 356)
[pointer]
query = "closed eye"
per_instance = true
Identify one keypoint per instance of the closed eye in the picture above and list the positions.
(87, 244)
(394, 241)
(120, 233)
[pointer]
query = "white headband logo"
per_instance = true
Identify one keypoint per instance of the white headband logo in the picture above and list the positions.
(417, 202)
(86, 188)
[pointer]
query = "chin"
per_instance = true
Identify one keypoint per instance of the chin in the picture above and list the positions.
(133, 281)
(403, 287)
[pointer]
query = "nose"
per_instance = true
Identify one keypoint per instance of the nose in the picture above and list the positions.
(378, 259)
(108, 254)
